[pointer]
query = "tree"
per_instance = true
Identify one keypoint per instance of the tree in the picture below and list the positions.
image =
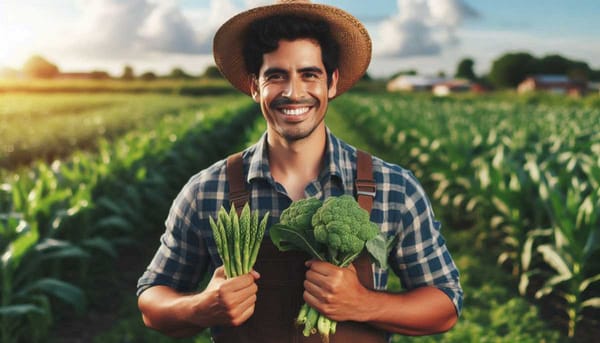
(212, 72)
(148, 76)
(178, 73)
(128, 73)
(553, 64)
(512, 68)
(464, 70)
(38, 67)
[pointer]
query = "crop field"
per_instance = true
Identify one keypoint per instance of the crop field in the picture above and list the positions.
(87, 180)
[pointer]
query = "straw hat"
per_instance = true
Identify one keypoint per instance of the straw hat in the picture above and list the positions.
(352, 37)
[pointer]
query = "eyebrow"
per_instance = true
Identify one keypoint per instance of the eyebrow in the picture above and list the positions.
(274, 70)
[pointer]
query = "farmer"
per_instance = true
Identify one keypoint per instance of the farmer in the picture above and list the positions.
(292, 58)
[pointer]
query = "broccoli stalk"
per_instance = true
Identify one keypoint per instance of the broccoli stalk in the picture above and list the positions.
(334, 231)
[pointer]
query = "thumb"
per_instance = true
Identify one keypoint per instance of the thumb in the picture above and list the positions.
(219, 272)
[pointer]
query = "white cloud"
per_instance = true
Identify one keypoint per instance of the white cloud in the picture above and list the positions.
(421, 27)
(117, 29)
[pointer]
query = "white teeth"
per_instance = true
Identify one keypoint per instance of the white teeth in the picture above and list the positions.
(294, 111)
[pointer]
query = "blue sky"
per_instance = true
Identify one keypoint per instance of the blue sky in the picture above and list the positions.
(426, 35)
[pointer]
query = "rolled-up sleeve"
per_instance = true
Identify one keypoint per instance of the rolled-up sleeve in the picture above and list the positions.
(181, 260)
(421, 256)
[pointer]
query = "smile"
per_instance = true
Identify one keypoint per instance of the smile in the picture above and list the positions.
(295, 111)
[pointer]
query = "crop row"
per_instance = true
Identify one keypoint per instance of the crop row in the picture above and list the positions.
(59, 221)
(527, 175)
(51, 126)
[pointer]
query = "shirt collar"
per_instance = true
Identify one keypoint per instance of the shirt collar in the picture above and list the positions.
(337, 162)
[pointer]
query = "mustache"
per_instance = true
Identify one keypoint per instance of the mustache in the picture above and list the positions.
(284, 101)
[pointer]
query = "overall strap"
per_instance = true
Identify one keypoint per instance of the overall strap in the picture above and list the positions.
(364, 183)
(238, 195)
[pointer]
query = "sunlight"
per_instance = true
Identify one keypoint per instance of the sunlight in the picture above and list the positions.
(16, 37)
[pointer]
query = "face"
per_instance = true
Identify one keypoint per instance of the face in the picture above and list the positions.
(292, 91)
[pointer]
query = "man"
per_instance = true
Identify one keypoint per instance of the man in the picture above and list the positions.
(292, 58)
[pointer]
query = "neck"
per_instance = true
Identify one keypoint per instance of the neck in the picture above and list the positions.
(294, 164)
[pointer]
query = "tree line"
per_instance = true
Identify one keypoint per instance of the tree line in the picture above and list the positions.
(510, 69)
(507, 71)
(38, 67)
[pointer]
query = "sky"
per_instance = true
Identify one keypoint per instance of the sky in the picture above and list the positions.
(425, 35)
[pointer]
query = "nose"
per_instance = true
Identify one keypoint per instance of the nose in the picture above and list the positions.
(294, 88)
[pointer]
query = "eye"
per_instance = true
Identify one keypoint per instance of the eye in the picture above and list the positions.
(311, 75)
(274, 77)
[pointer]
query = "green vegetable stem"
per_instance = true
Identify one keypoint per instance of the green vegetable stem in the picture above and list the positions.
(336, 231)
(238, 238)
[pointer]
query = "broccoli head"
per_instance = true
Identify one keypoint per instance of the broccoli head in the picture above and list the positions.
(299, 214)
(342, 225)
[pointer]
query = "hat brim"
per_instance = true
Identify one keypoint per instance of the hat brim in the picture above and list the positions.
(352, 37)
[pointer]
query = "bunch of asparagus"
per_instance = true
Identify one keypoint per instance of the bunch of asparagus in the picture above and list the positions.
(238, 238)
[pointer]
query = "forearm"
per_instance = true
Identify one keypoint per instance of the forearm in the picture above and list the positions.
(422, 311)
(170, 312)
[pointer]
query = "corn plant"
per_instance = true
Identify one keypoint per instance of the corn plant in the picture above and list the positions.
(481, 156)
(25, 306)
(85, 208)
(575, 234)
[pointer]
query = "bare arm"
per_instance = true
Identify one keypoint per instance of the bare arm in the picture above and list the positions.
(223, 302)
(337, 293)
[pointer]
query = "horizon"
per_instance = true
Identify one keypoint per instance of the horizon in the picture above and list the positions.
(429, 36)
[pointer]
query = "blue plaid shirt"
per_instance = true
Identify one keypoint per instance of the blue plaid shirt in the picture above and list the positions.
(420, 258)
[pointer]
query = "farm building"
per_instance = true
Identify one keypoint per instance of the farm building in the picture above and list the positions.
(560, 84)
(451, 86)
(413, 83)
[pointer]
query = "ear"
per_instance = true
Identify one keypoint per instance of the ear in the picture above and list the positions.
(253, 80)
(332, 91)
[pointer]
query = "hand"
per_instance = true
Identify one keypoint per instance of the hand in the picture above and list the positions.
(230, 301)
(334, 291)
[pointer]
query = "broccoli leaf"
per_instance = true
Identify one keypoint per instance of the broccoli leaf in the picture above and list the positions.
(286, 238)
(379, 248)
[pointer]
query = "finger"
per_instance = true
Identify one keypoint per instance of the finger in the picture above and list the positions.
(314, 290)
(323, 268)
(240, 282)
(219, 272)
(316, 278)
(313, 301)
(248, 312)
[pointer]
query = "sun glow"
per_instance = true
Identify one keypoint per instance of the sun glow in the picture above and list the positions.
(24, 31)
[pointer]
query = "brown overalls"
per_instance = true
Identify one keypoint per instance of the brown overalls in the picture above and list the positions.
(282, 274)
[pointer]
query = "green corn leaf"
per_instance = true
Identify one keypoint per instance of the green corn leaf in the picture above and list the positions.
(592, 244)
(555, 260)
(527, 251)
(56, 249)
(20, 310)
(28, 237)
(116, 221)
(585, 283)
(102, 245)
(550, 285)
(592, 302)
(523, 283)
(61, 290)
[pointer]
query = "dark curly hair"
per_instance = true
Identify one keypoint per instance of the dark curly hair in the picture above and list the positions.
(263, 36)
